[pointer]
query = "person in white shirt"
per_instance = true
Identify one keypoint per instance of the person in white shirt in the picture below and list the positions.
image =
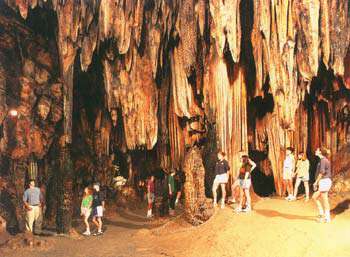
(302, 175)
(288, 171)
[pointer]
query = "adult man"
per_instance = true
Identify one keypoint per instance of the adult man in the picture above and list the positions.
(172, 191)
(98, 206)
(288, 171)
(221, 171)
(32, 199)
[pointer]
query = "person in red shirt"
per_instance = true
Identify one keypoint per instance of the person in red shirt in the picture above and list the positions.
(150, 196)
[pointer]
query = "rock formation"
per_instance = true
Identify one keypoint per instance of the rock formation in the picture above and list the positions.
(152, 77)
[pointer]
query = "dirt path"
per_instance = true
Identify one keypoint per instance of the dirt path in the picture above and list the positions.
(275, 228)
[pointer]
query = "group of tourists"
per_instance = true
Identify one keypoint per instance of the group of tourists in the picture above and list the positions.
(174, 189)
(243, 181)
(300, 171)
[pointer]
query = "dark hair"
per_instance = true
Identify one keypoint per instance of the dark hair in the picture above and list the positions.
(245, 159)
(290, 149)
(222, 153)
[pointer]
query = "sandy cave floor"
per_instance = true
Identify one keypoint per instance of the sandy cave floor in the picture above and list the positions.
(275, 228)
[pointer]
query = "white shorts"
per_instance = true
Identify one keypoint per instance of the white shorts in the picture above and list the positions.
(325, 184)
(98, 211)
(221, 179)
(287, 175)
(245, 183)
(85, 211)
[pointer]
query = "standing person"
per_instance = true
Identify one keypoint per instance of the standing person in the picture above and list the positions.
(32, 199)
(323, 183)
(221, 171)
(179, 181)
(85, 209)
(98, 206)
(150, 196)
(172, 191)
(245, 182)
(288, 171)
(302, 174)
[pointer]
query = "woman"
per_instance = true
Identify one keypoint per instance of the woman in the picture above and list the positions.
(85, 208)
(150, 196)
(323, 184)
(302, 174)
(244, 179)
(221, 178)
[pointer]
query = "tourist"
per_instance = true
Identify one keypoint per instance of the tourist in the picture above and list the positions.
(172, 191)
(323, 184)
(221, 178)
(288, 171)
(302, 175)
(150, 196)
(179, 181)
(32, 199)
(98, 206)
(85, 209)
(244, 178)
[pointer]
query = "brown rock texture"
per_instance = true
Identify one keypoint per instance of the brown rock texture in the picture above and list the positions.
(263, 74)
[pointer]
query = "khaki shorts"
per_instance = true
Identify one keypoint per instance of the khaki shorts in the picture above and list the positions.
(221, 179)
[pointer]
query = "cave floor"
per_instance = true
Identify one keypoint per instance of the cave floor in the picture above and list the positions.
(275, 228)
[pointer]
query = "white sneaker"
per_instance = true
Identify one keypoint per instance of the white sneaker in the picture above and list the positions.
(222, 206)
(238, 210)
(215, 204)
(247, 209)
(292, 198)
(87, 233)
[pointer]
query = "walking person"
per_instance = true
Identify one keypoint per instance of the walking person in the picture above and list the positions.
(150, 196)
(172, 192)
(98, 206)
(86, 208)
(32, 199)
(323, 184)
(179, 182)
(244, 178)
(288, 171)
(221, 171)
(302, 175)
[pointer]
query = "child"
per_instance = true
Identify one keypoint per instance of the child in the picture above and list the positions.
(98, 205)
(85, 208)
(172, 191)
(302, 174)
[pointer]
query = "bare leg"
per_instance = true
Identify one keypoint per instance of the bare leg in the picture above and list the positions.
(325, 200)
(240, 198)
(99, 219)
(297, 184)
(215, 187)
(223, 190)
(289, 187)
(284, 184)
(316, 197)
(307, 190)
(248, 199)
(94, 220)
(87, 223)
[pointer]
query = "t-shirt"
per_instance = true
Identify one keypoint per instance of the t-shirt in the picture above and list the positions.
(97, 199)
(32, 196)
(242, 171)
(150, 186)
(86, 201)
(324, 168)
(171, 182)
(303, 168)
(221, 167)
(288, 164)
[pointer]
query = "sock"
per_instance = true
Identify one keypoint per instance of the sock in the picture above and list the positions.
(328, 214)
(321, 212)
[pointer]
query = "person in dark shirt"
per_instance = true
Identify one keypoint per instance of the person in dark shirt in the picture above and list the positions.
(98, 206)
(221, 177)
(323, 184)
(172, 191)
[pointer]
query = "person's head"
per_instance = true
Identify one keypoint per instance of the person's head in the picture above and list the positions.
(245, 158)
(302, 156)
(289, 150)
(87, 191)
(151, 177)
(96, 187)
(172, 171)
(221, 155)
(321, 152)
(32, 183)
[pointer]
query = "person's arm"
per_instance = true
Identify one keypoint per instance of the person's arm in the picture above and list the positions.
(252, 163)
(169, 186)
(321, 172)
(25, 201)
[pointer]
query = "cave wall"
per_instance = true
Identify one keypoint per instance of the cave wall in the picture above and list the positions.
(172, 68)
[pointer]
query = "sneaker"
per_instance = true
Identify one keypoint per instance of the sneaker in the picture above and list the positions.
(292, 198)
(247, 209)
(222, 206)
(87, 233)
(306, 199)
(215, 204)
(327, 220)
(238, 210)
(98, 233)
